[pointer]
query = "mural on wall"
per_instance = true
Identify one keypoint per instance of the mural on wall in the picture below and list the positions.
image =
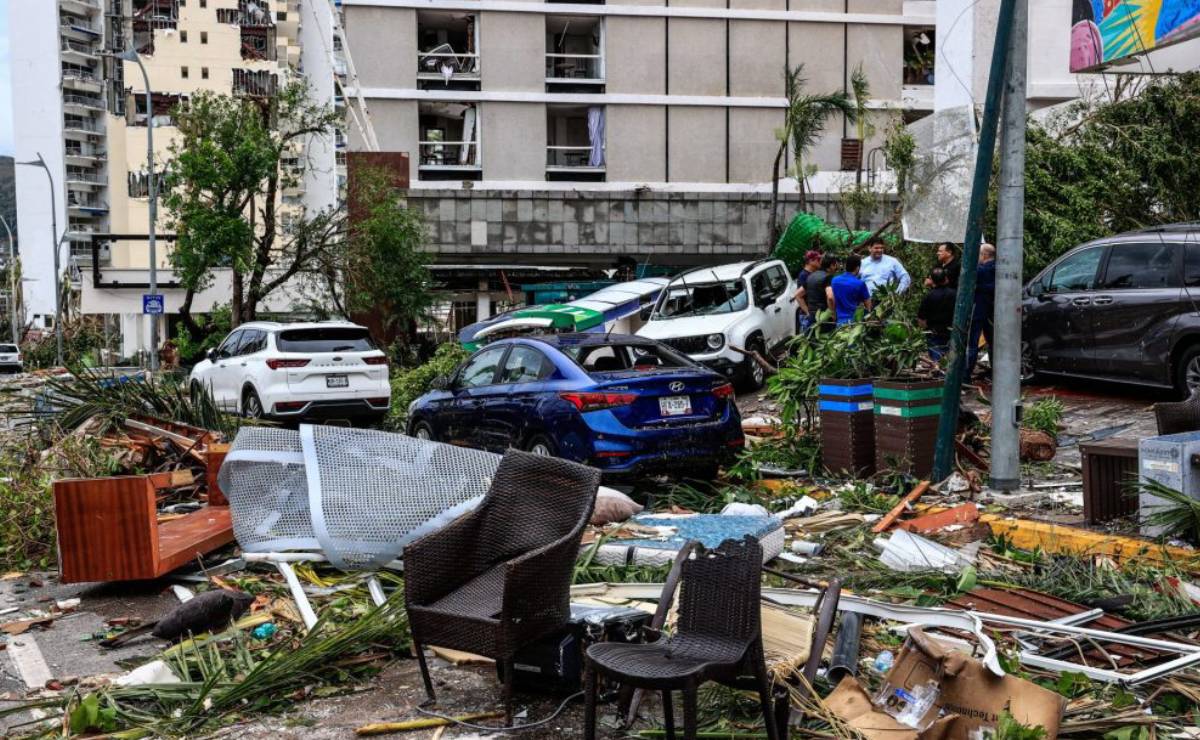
(1104, 31)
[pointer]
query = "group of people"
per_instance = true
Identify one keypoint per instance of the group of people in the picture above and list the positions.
(825, 284)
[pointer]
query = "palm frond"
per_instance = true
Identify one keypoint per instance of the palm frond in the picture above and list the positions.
(1177, 517)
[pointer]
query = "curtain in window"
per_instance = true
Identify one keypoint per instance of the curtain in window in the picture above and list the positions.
(596, 135)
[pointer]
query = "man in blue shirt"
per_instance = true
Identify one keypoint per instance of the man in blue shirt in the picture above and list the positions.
(880, 269)
(849, 292)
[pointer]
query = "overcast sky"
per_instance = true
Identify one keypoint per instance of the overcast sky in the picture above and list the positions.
(6, 128)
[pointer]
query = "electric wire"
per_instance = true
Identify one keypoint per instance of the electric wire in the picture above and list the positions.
(511, 728)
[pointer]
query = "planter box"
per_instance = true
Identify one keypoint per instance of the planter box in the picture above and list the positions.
(847, 425)
(906, 424)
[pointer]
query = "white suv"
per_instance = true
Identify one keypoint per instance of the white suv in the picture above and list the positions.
(10, 358)
(304, 371)
(706, 312)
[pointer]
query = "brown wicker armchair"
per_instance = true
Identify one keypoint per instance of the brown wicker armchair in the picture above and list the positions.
(499, 577)
(1178, 416)
(718, 638)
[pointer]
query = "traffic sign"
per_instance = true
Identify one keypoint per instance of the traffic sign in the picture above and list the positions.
(152, 303)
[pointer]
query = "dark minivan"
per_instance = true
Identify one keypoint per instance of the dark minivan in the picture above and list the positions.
(1125, 308)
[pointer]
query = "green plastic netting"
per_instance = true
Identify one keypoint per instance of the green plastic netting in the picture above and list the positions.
(807, 231)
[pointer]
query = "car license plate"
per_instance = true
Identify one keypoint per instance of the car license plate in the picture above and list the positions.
(675, 405)
(337, 381)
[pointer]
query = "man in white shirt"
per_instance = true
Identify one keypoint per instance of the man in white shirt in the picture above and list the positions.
(879, 269)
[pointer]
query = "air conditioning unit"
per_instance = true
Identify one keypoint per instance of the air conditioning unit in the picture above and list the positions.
(1172, 460)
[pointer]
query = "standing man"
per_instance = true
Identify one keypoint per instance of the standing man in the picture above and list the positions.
(849, 291)
(812, 263)
(880, 269)
(816, 294)
(947, 260)
(936, 313)
(985, 305)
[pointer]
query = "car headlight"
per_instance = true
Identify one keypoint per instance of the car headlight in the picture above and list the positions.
(716, 341)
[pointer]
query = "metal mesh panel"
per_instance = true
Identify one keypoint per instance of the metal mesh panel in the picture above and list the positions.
(938, 191)
(356, 495)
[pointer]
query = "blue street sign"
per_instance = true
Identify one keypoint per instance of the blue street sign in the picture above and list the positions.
(152, 304)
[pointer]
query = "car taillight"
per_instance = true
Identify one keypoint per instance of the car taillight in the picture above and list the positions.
(277, 364)
(382, 360)
(383, 401)
(725, 390)
(597, 401)
(285, 406)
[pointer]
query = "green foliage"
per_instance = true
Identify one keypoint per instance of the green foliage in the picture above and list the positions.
(790, 452)
(1120, 166)
(409, 384)
(1044, 415)
(1009, 728)
(886, 343)
(806, 116)
(386, 268)
(1177, 516)
(216, 326)
(82, 341)
(900, 151)
(863, 497)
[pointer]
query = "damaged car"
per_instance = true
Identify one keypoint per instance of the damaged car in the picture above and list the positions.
(627, 405)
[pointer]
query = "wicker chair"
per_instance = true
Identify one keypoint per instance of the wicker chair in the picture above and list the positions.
(499, 577)
(718, 638)
(1179, 416)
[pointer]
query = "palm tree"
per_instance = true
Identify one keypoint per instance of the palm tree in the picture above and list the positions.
(804, 122)
(861, 87)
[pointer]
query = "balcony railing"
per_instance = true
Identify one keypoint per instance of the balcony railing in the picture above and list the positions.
(256, 84)
(77, 125)
(86, 177)
(433, 63)
(449, 153)
(570, 157)
(86, 204)
(88, 153)
(84, 101)
(574, 67)
(76, 46)
(77, 24)
(235, 17)
(82, 76)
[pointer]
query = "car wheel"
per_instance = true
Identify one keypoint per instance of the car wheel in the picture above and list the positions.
(540, 445)
(251, 406)
(753, 374)
(1187, 372)
(1028, 368)
(422, 431)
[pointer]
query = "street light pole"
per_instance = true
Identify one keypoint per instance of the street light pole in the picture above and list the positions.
(131, 55)
(12, 280)
(58, 331)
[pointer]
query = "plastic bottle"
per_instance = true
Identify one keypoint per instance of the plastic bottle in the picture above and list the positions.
(883, 661)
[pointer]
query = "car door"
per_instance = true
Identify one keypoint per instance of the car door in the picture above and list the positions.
(465, 415)
(1058, 318)
(221, 376)
(509, 416)
(240, 363)
(1134, 307)
(764, 300)
(783, 316)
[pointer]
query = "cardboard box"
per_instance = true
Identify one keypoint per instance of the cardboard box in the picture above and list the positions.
(970, 696)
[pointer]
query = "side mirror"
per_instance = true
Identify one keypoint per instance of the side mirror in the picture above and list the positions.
(440, 383)
(211, 353)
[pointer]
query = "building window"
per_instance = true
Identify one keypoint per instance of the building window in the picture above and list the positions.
(204, 3)
(204, 37)
(204, 73)
(183, 37)
(281, 16)
(183, 72)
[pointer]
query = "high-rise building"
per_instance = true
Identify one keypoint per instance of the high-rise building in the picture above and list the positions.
(86, 113)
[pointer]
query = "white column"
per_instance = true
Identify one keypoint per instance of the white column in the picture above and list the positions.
(316, 56)
(483, 301)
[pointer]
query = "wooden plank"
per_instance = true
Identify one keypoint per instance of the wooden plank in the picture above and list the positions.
(964, 514)
(183, 540)
(171, 479)
(890, 518)
(106, 529)
(212, 464)
(28, 661)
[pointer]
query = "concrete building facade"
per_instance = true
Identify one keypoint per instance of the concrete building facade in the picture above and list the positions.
(87, 115)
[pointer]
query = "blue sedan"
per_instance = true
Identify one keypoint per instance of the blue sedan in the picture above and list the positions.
(627, 405)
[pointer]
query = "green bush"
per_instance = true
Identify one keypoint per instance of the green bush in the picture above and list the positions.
(217, 324)
(410, 384)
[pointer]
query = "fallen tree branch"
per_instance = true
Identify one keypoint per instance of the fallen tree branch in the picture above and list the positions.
(754, 355)
(383, 728)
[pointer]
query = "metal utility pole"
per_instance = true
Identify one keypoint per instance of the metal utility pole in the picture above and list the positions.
(12, 281)
(58, 329)
(964, 305)
(1010, 227)
(131, 55)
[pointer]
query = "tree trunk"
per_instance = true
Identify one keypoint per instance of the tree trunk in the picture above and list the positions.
(185, 315)
(235, 302)
(266, 244)
(773, 221)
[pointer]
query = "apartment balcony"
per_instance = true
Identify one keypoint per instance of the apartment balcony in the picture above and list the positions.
(449, 142)
(80, 156)
(82, 104)
(77, 28)
(82, 129)
(447, 50)
(574, 54)
(82, 80)
(77, 51)
(85, 207)
(575, 147)
(85, 181)
(254, 84)
(80, 7)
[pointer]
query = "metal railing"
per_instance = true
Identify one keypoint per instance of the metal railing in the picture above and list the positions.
(449, 153)
(87, 177)
(76, 24)
(574, 67)
(88, 153)
(76, 46)
(93, 204)
(431, 63)
(569, 156)
(86, 101)
(78, 74)
(77, 125)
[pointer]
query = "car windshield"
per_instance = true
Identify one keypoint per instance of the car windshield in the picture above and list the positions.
(325, 339)
(603, 358)
(8, 348)
(702, 299)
